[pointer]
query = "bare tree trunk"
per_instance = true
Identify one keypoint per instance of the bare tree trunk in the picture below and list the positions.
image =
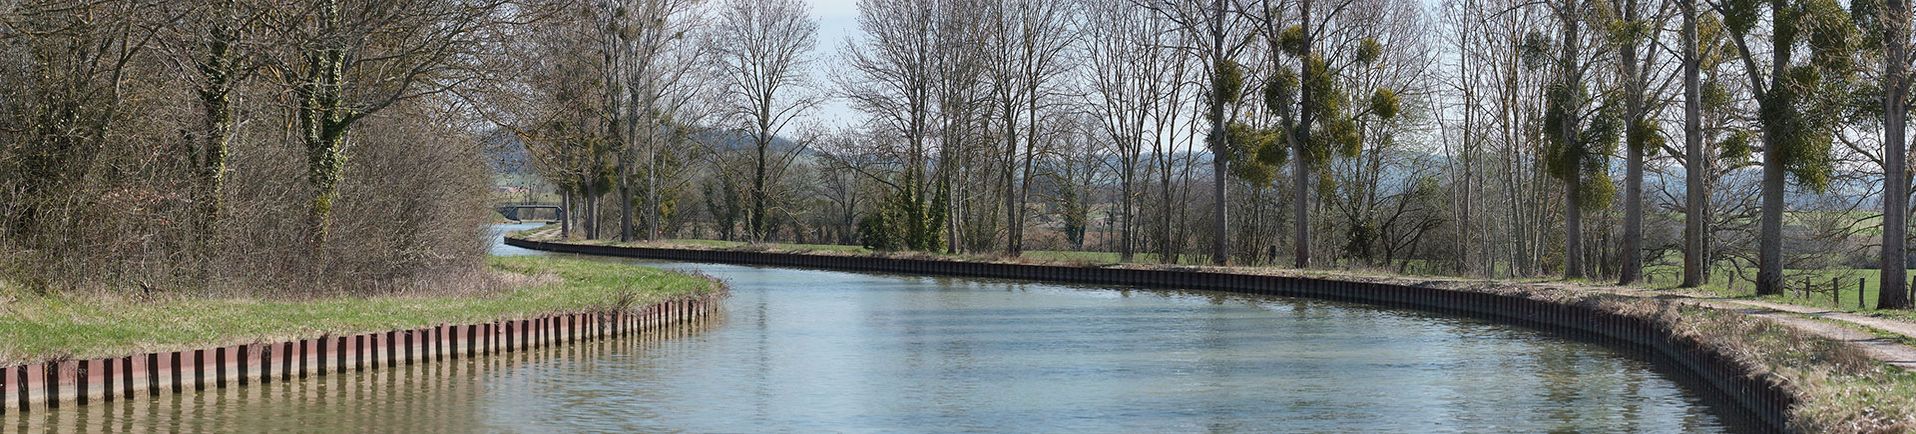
(624, 190)
(1300, 200)
(758, 180)
(581, 218)
(565, 214)
(652, 225)
(1465, 224)
(1696, 215)
(1125, 237)
(1301, 166)
(323, 119)
(1631, 251)
(1895, 169)
(1769, 273)
(1573, 187)
(1769, 255)
(1010, 173)
(1167, 249)
(1573, 229)
(592, 215)
(220, 70)
(1220, 255)
(624, 127)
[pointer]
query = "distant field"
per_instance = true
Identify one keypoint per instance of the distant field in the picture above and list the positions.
(1820, 281)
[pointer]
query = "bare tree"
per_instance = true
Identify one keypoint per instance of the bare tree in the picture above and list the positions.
(351, 59)
(1031, 38)
(765, 47)
(1119, 48)
(891, 79)
(1636, 60)
(214, 44)
(1212, 28)
(652, 76)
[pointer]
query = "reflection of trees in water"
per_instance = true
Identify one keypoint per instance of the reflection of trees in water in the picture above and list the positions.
(462, 395)
(1582, 387)
(1564, 385)
(1559, 373)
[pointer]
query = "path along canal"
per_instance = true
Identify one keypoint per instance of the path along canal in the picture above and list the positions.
(807, 350)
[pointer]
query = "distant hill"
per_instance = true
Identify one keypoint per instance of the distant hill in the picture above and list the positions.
(733, 141)
(507, 156)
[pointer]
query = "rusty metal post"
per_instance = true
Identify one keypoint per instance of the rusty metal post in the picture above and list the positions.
(219, 368)
(80, 382)
(20, 376)
(173, 374)
(50, 384)
(266, 364)
(286, 362)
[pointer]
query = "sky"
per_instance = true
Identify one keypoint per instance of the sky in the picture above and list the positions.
(837, 20)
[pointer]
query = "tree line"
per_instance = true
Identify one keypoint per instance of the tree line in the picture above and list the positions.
(1610, 139)
(242, 145)
(1582, 138)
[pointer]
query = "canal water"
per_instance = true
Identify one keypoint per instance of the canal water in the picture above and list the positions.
(812, 351)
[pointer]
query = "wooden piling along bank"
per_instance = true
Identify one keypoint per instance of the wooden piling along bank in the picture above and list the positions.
(52, 384)
(1756, 397)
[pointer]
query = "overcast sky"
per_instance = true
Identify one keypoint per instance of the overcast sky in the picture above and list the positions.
(837, 19)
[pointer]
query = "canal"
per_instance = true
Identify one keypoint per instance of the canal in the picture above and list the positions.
(808, 350)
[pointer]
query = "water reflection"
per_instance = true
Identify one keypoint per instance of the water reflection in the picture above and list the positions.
(801, 350)
(483, 394)
(860, 352)
(499, 247)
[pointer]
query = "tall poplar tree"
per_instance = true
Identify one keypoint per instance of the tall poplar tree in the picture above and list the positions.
(1891, 22)
(1696, 201)
(1580, 133)
(1641, 136)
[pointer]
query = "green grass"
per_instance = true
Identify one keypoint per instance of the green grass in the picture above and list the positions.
(1846, 280)
(1839, 388)
(35, 327)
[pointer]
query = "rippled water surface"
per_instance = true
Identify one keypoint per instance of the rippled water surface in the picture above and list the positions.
(803, 350)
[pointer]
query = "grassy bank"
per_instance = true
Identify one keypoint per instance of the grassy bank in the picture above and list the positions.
(44, 327)
(1845, 281)
(1839, 388)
